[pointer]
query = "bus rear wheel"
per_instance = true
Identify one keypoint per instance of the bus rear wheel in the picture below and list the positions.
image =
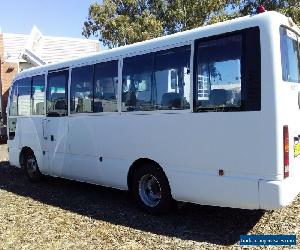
(150, 189)
(31, 168)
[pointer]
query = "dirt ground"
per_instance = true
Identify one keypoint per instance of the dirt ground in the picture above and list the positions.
(3, 153)
(60, 214)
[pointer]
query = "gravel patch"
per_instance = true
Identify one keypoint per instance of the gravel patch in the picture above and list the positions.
(61, 214)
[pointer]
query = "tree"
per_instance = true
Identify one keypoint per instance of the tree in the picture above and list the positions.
(121, 22)
(180, 15)
(118, 22)
(290, 8)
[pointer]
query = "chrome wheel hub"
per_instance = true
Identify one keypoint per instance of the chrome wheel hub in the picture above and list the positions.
(31, 166)
(149, 190)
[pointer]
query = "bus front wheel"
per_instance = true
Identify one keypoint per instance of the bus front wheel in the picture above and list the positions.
(31, 168)
(151, 190)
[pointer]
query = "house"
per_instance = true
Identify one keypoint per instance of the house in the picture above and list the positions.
(19, 52)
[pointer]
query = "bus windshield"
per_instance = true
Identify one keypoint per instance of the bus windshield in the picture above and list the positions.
(290, 55)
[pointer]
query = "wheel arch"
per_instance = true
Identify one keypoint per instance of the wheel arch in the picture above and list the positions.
(22, 157)
(139, 163)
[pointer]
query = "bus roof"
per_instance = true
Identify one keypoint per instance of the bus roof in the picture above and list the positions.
(160, 43)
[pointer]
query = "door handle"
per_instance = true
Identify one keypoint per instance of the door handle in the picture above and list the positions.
(44, 122)
(45, 136)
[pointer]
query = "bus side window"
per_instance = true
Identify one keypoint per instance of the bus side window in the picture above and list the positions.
(227, 72)
(219, 72)
(82, 89)
(106, 87)
(290, 57)
(13, 107)
(157, 81)
(57, 93)
(137, 85)
(13, 110)
(38, 95)
(24, 97)
(172, 78)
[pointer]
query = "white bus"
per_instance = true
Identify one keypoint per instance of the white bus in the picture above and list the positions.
(209, 116)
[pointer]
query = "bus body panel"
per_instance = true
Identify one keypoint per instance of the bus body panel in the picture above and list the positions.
(14, 154)
(193, 149)
(287, 108)
(202, 183)
(290, 117)
(173, 139)
(206, 189)
(55, 132)
(285, 192)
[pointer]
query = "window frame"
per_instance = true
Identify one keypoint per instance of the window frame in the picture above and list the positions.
(190, 43)
(67, 86)
(31, 98)
(44, 74)
(93, 64)
(70, 88)
(243, 107)
(9, 99)
(119, 59)
(30, 95)
(10, 93)
(94, 79)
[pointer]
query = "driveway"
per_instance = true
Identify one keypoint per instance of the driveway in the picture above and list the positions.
(61, 214)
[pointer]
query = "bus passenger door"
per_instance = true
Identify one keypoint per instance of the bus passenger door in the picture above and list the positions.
(55, 125)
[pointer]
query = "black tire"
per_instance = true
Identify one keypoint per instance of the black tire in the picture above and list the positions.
(31, 167)
(150, 173)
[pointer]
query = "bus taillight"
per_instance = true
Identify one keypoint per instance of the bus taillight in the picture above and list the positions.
(286, 151)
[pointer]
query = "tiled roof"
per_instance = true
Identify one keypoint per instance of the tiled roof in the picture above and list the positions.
(53, 49)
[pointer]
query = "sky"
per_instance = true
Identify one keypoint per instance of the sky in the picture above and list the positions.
(52, 17)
